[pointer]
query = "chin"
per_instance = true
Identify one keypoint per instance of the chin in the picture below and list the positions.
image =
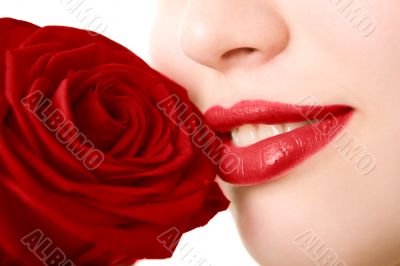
(318, 217)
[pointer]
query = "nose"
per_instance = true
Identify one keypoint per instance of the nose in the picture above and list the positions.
(230, 34)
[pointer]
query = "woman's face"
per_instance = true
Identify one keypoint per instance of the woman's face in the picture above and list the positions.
(340, 206)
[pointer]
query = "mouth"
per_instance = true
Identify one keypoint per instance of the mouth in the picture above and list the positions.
(270, 138)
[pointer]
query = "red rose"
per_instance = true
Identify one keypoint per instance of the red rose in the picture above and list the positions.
(91, 171)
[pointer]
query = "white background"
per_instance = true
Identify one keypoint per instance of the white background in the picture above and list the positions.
(129, 22)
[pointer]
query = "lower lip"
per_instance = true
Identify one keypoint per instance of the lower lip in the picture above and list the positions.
(271, 157)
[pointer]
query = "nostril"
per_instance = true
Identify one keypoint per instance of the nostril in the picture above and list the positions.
(243, 57)
(242, 51)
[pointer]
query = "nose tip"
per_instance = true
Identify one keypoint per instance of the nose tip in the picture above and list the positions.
(216, 35)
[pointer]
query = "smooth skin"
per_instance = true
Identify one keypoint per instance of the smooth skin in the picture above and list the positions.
(225, 51)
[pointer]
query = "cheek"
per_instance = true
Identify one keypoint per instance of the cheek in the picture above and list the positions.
(165, 52)
(366, 64)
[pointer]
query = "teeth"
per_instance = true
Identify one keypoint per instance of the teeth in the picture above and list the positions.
(291, 126)
(249, 134)
(267, 131)
(245, 135)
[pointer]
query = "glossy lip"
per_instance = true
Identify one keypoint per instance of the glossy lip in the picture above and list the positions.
(269, 158)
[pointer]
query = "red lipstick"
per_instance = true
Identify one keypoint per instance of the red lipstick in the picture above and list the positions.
(270, 157)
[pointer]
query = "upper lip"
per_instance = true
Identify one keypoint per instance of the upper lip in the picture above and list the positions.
(267, 112)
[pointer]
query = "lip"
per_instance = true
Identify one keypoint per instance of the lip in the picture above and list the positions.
(270, 158)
